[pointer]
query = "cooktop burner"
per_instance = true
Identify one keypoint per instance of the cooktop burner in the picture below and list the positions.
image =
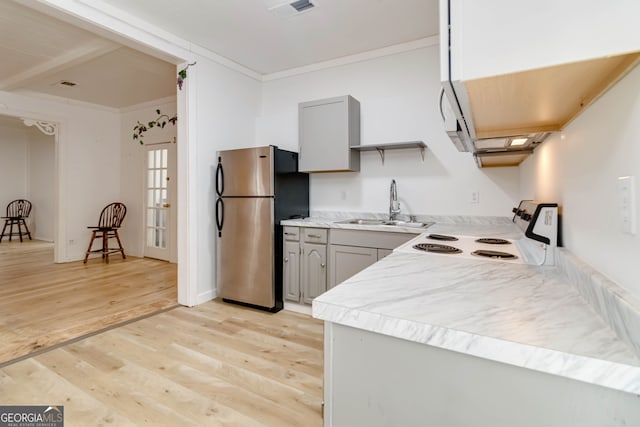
(493, 254)
(493, 241)
(437, 248)
(442, 237)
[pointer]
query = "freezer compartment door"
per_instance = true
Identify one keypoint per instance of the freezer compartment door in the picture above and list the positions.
(246, 251)
(245, 172)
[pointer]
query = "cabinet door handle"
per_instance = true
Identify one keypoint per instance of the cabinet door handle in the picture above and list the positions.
(440, 105)
(286, 260)
(219, 178)
(289, 234)
(314, 235)
(219, 215)
(322, 265)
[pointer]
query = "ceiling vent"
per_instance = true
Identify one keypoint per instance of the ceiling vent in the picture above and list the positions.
(66, 83)
(302, 5)
(294, 8)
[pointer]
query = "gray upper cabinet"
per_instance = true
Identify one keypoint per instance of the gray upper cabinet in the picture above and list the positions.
(327, 129)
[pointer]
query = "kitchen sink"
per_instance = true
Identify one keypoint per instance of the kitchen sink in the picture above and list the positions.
(409, 224)
(362, 221)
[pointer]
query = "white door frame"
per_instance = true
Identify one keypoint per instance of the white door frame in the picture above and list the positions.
(53, 127)
(107, 21)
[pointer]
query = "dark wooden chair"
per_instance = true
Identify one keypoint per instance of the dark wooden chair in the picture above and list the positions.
(110, 220)
(17, 212)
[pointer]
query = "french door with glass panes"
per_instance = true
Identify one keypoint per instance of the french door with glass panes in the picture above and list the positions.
(160, 209)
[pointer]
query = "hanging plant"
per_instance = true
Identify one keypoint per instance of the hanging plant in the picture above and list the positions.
(160, 122)
(182, 74)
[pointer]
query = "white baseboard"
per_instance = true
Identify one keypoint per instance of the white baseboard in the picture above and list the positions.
(298, 308)
(206, 296)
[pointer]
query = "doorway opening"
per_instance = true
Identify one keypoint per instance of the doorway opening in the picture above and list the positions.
(28, 150)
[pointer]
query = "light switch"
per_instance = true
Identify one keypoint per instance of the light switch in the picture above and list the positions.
(475, 197)
(627, 202)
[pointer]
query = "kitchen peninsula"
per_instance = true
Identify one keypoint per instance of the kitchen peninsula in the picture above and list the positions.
(412, 336)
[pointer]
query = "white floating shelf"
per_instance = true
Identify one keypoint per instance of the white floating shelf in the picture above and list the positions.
(380, 148)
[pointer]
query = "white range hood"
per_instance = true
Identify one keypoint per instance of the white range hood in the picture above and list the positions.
(488, 112)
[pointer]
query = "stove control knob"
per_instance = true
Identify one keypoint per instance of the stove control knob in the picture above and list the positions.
(526, 217)
(517, 211)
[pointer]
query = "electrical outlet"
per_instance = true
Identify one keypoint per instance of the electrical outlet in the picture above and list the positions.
(475, 197)
(627, 200)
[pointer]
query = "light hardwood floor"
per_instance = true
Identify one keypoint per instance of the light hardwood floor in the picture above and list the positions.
(212, 365)
(44, 304)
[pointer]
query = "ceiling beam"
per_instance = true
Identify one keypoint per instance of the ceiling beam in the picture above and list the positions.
(73, 57)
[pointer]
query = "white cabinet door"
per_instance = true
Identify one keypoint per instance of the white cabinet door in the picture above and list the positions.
(345, 261)
(313, 280)
(291, 271)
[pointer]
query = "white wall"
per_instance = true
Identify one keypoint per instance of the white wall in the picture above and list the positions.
(13, 164)
(579, 169)
(42, 188)
(133, 167)
(226, 106)
(88, 164)
(398, 97)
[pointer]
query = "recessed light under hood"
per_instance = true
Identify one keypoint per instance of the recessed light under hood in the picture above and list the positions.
(506, 151)
(509, 143)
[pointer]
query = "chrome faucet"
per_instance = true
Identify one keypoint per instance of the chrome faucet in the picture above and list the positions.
(394, 205)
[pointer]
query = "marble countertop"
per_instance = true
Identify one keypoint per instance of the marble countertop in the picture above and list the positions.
(523, 315)
(317, 222)
(473, 226)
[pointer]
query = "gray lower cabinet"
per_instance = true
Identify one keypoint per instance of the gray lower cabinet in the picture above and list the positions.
(316, 259)
(313, 274)
(305, 263)
(351, 251)
(291, 270)
(384, 252)
(345, 261)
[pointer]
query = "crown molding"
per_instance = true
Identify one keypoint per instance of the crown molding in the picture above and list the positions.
(67, 101)
(173, 99)
(359, 57)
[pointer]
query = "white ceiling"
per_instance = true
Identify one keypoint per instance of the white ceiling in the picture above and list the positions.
(38, 51)
(246, 32)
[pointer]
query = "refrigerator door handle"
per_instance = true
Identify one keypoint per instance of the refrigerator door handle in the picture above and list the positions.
(219, 215)
(219, 178)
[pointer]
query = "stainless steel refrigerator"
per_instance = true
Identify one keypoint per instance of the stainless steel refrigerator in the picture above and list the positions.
(256, 188)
